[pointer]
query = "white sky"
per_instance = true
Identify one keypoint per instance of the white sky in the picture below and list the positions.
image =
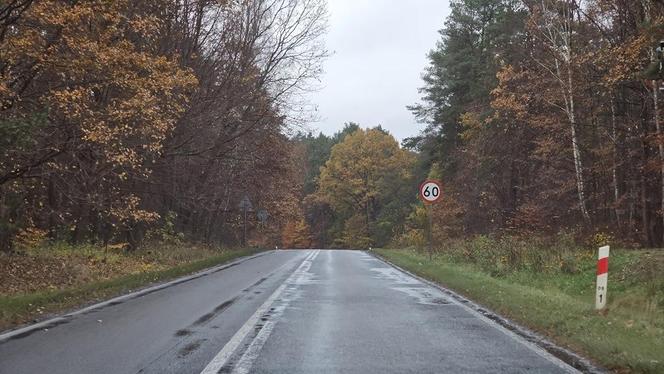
(379, 50)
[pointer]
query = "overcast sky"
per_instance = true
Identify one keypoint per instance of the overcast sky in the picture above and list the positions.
(378, 51)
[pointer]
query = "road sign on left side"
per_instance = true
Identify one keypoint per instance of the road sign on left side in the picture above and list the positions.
(262, 215)
(245, 204)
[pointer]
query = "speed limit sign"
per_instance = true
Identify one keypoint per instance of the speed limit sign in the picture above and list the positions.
(430, 191)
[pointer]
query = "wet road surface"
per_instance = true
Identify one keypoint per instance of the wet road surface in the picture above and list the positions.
(281, 312)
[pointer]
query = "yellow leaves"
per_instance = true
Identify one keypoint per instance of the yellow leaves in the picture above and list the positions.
(30, 237)
(296, 234)
(472, 125)
(146, 26)
(73, 102)
(359, 168)
(127, 210)
(91, 66)
(103, 84)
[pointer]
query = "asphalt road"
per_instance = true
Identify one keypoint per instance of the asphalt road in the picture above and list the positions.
(281, 312)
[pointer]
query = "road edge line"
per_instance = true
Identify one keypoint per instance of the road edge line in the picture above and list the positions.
(562, 354)
(8, 335)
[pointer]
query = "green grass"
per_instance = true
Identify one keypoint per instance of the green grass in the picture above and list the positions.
(17, 309)
(628, 338)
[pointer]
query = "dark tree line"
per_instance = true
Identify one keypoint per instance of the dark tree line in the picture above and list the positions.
(544, 116)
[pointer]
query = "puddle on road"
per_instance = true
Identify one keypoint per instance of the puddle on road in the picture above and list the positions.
(189, 348)
(394, 275)
(217, 310)
(425, 295)
(422, 293)
(183, 332)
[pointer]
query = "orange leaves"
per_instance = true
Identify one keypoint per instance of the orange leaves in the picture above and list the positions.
(91, 67)
(626, 60)
(506, 97)
(107, 86)
(296, 234)
(127, 210)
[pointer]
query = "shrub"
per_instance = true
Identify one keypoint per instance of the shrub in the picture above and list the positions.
(506, 254)
(569, 264)
(29, 238)
(599, 239)
(411, 238)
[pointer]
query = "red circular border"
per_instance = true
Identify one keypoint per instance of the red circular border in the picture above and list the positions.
(440, 187)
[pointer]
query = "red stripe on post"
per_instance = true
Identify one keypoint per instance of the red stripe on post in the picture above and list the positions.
(603, 265)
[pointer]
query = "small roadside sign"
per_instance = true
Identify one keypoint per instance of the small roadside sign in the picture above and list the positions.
(245, 204)
(430, 191)
(262, 215)
(602, 277)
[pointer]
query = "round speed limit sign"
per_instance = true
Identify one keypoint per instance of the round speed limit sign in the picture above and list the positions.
(430, 191)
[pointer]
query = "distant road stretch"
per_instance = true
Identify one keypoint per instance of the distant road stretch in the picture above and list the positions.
(281, 312)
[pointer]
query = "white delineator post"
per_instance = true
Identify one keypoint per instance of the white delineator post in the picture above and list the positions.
(602, 277)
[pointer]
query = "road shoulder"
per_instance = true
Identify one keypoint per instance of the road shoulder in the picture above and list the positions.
(567, 356)
(142, 285)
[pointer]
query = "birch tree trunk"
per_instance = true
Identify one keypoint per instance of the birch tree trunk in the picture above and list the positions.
(658, 130)
(578, 164)
(558, 34)
(614, 168)
(660, 147)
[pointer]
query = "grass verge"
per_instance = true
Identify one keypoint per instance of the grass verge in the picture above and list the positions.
(560, 306)
(22, 308)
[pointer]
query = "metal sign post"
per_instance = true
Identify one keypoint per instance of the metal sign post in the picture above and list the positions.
(430, 192)
(262, 216)
(245, 206)
(430, 233)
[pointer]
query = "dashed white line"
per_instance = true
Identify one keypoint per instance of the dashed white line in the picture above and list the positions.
(246, 361)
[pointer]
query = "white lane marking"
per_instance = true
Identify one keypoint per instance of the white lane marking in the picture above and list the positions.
(301, 276)
(225, 354)
(532, 346)
(251, 354)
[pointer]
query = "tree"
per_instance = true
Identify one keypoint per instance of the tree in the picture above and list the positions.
(114, 114)
(296, 234)
(479, 38)
(553, 123)
(87, 103)
(555, 25)
(366, 174)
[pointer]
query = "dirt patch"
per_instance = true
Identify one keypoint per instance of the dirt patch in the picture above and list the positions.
(183, 332)
(61, 266)
(189, 348)
(23, 273)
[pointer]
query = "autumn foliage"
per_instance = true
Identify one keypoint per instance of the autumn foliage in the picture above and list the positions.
(117, 114)
(121, 118)
(542, 117)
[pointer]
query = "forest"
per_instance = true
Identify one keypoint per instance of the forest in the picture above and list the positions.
(130, 121)
(151, 144)
(127, 121)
